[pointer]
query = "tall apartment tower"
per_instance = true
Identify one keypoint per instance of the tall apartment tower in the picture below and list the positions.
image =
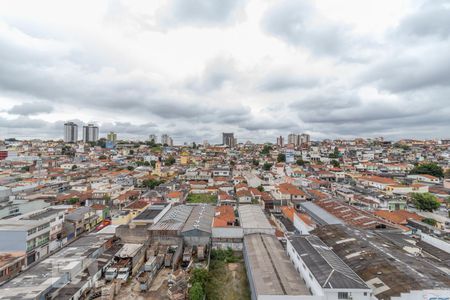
(294, 139)
(111, 136)
(280, 141)
(304, 139)
(90, 133)
(228, 139)
(166, 140)
(70, 132)
(153, 137)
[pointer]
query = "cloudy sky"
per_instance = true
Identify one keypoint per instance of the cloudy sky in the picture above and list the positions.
(196, 68)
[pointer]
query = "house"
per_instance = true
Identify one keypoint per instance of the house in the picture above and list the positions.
(225, 230)
(425, 178)
(175, 197)
(289, 194)
(244, 196)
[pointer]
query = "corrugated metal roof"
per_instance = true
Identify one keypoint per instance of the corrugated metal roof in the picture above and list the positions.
(201, 218)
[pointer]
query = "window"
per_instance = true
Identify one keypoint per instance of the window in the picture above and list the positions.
(342, 295)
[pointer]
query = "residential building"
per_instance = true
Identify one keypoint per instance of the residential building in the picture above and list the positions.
(90, 133)
(70, 132)
(228, 140)
(111, 137)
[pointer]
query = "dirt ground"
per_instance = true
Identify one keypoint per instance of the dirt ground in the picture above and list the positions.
(229, 282)
(157, 291)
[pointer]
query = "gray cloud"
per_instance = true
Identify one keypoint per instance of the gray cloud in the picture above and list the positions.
(201, 12)
(217, 72)
(431, 20)
(298, 23)
(286, 81)
(32, 108)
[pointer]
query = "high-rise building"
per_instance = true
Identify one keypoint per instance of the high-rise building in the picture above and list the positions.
(111, 137)
(280, 141)
(228, 139)
(294, 139)
(90, 133)
(70, 132)
(166, 140)
(304, 139)
(153, 137)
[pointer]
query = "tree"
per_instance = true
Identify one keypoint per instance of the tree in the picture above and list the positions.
(25, 168)
(425, 201)
(255, 162)
(130, 168)
(196, 292)
(335, 163)
(300, 162)
(73, 200)
(153, 163)
(260, 188)
(266, 150)
(281, 157)
(335, 153)
(267, 166)
(151, 183)
(194, 145)
(169, 161)
(428, 168)
(199, 275)
(74, 167)
(430, 221)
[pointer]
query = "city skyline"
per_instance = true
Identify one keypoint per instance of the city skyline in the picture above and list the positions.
(256, 69)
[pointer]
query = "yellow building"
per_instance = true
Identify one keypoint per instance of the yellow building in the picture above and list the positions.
(184, 158)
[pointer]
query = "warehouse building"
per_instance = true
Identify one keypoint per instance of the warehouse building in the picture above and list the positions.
(168, 229)
(270, 273)
(253, 220)
(323, 271)
(197, 229)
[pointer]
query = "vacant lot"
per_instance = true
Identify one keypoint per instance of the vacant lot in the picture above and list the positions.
(227, 280)
(201, 198)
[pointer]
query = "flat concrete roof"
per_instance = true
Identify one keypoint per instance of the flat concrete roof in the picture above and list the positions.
(252, 216)
(52, 271)
(272, 273)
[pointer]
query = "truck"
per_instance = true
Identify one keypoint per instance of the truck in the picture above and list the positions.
(168, 260)
(144, 280)
(187, 254)
(111, 273)
(114, 270)
(153, 264)
(201, 253)
(123, 273)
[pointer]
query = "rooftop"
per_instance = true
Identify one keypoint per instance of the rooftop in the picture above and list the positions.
(270, 270)
(388, 263)
(252, 216)
(328, 269)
